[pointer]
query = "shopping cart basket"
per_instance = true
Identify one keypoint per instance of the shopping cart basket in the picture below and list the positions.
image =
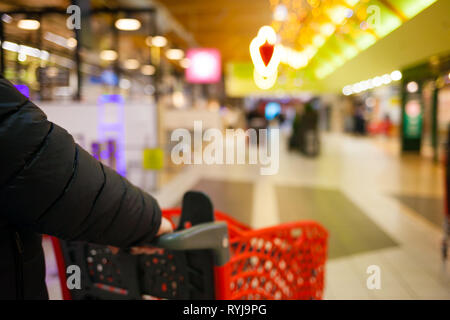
(204, 259)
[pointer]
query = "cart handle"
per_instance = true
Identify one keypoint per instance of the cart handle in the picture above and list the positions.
(211, 235)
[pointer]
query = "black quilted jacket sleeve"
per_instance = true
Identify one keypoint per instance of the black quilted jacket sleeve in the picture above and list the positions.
(51, 185)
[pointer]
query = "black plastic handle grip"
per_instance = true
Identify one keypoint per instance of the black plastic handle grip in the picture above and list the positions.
(212, 235)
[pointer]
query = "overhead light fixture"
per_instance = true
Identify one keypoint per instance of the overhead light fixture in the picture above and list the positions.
(263, 82)
(347, 90)
(72, 43)
(184, 63)
(148, 70)
(131, 64)
(337, 14)
(375, 82)
(127, 24)
(22, 57)
(396, 75)
(327, 29)
(412, 87)
(318, 40)
(10, 46)
(175, 54)
(293, 58)
(159, 41)
(108, 55)
(265, 52)
(28, 24)
(280, 13)
(68, 43)
(178, 99)
(310, 51)
(124, 84)
(386, 78)
(6, 18)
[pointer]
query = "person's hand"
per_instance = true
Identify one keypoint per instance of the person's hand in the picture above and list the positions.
(165, 227)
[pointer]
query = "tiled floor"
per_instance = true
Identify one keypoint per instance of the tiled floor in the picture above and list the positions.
(354, 190)
(350, 230)
(227, 197)
(351, 188)
(430, 208)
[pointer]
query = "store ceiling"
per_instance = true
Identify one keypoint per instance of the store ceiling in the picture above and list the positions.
(417, 40)
(228, 25)
(349, 54)
(342, 34)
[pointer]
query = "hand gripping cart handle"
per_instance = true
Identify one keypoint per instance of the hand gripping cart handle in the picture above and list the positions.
(212, 236)
(203, 259)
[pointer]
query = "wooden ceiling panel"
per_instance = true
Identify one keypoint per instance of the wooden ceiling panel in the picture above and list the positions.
(228, 25)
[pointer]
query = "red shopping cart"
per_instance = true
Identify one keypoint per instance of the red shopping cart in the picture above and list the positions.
(209, 256)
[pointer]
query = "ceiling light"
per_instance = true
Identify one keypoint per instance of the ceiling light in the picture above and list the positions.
(125, 84)
(357, 88)
(280, 13)
(128, 24)
(338, 14)
(22, 57)
(72, 42)
(148, 70)
(108, 55)
(386, 79)
(412, 87)
(45, 55)
(175, 54)
(310, 52)
(396, 75)
(318, 40)
(347, 90)
(184, 63)
(28, 24)
(266, 38)
(6, 18)
(351, 3)
(159, 41)
(349, 13)
(60, 40)
(131, 64)
(327, 29)
(11, 46)
(377, 81)
(262, 82)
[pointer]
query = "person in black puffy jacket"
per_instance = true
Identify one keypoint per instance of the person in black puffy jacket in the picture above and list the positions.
(50, 185)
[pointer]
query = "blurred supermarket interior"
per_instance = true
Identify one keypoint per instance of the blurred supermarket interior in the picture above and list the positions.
(359, 89)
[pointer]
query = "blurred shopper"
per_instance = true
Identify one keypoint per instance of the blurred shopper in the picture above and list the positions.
(359, 120)
(256, 121)
(50, 185)
(305, 135)
(387, 125)
(294, 140)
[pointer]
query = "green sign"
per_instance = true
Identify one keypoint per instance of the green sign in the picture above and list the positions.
(412, 120)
